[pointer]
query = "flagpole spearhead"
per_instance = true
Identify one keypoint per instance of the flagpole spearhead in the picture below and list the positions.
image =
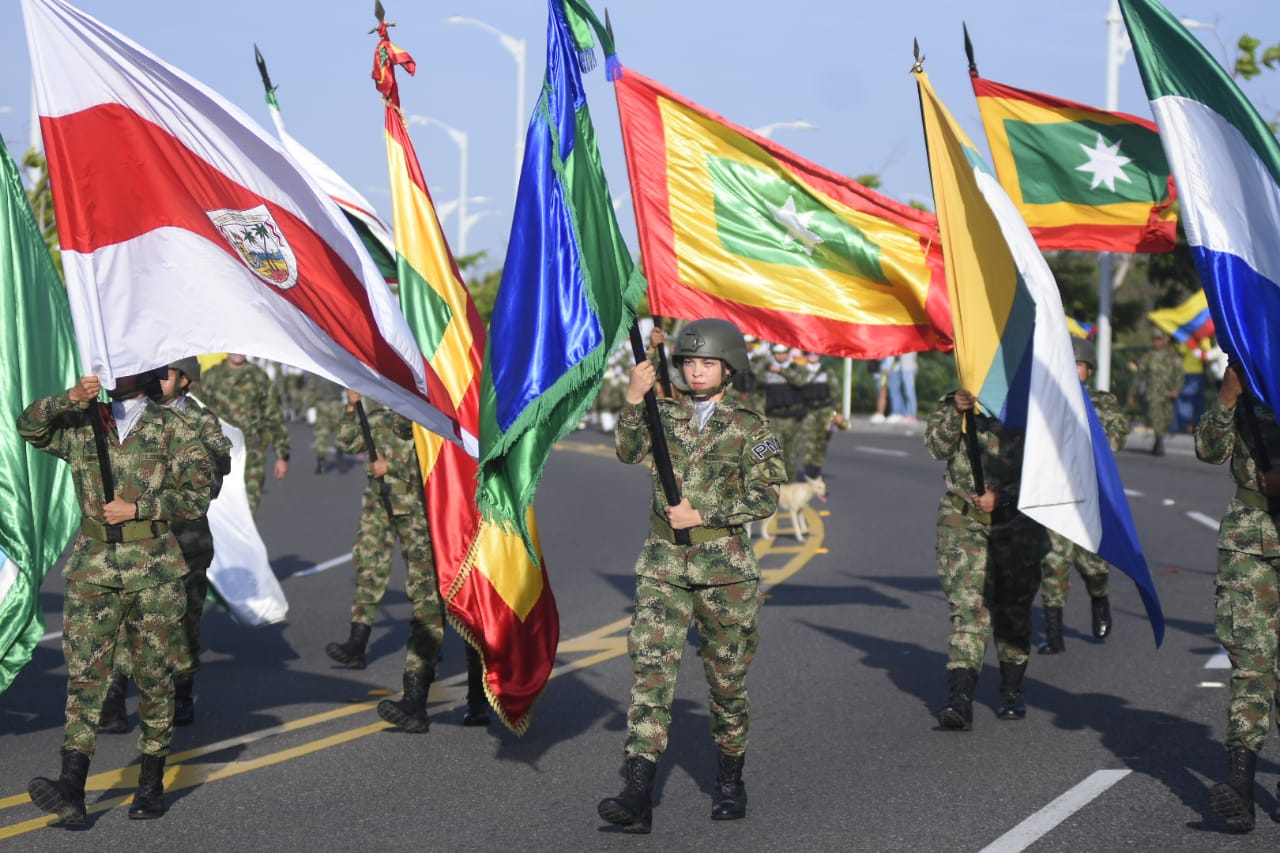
(918, 66)
(262, 69)
(968, 51)
(381, 14)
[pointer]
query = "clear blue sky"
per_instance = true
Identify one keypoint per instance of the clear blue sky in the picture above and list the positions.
(838, 64)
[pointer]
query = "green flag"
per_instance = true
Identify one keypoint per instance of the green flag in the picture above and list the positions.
(38, 510)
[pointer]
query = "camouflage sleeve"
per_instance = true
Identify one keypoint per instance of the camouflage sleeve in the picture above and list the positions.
(763, 470)
(1216, 433)
(942, 432)
(274, 429)
(796, 374)
(1114, 421)
(41, 424)
(218, 446)
(631, 434)
(348, 437)
(188, 487)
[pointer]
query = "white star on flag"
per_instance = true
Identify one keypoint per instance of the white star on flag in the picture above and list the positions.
(1105, 163)
(796, 225)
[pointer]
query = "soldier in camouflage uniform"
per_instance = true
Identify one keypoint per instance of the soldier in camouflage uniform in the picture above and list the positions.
(820, 415)
(1160, 369)
(196, 542)
(783, 379)
(1095, 571)
(394, 508)
(1248, 588)
(728, 466)
(242, 394)
(328, 399)
(989, 557)
(126, 569)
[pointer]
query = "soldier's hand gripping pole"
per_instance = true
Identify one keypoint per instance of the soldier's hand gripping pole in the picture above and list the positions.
(969, 427)
(664, 371)
(383, 489)
(114, 532)
(661, 454)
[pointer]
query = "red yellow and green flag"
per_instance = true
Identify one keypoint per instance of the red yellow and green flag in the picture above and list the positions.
(497, 593)
(1082, 178)
(733, 225)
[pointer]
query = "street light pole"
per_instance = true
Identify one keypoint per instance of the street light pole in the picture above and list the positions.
(515, 47)
(459, 138)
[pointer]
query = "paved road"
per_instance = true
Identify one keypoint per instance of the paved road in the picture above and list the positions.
(287, 753)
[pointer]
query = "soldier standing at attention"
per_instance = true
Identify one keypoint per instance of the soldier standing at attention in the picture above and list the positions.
(820, 415)
(1056, 578)
(989, 557)
(394, 508)
(125, 575)
(1161, 373)
(729, 467)
(1248, 588)
(783, 379)
(242, 394)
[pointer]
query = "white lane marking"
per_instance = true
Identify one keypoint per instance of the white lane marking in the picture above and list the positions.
(1167, 502)
(1208, 521)
(322, 567)
(1219, 660)
(1039, 824)
(1211, 684)
(1134, 493)
(880, 451)
(316, 569)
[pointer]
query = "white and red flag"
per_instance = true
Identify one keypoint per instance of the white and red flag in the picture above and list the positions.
(186, 229)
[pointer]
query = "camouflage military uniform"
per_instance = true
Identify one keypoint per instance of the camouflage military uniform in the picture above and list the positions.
(328, 400)
(989, 567)
(1161, 371)
(1056, 579)
(815, 429)
(784, 406)
(729, 471)
(137, 584)
(379, 529)
(246, 398)
(1248, 588)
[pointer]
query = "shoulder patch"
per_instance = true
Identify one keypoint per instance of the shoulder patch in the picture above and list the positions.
(765, 449)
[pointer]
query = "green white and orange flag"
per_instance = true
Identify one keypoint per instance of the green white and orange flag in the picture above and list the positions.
(1082, 178)
(733, 225)
(498, 597)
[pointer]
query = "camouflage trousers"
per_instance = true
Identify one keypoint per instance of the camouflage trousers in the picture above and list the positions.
(255, 473)
(375, 542)
(815, 435)
(1055, 580)
(727, 621)
(1247, 623)
(146, 622)
(1160, 414)
(989, 574)
(787, 431)
(328, 413)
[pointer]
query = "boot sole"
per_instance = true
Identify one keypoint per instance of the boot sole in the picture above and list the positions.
(335, 653)
(146, 815)
(953, 720)
(48, 797)
(392, 713)
(613, 812)
(1230, 806)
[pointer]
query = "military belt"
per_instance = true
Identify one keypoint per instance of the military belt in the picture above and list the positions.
(1258, 500)
(967, 509)
(659, 527)
(386, 488)
(129, 531)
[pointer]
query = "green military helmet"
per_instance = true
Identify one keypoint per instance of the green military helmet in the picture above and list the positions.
(188, 367)
(710, 338)
(1085, 353)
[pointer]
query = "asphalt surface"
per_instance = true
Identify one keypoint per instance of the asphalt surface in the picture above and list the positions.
(287, 754)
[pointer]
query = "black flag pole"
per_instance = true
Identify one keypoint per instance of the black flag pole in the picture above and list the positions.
(661, 453)
(969, 426)
(664, 371)
(370, 449)
(104, 463)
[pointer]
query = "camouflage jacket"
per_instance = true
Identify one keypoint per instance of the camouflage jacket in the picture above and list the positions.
(730, 471)
(1000, 453)
(1161, 372)
(245, 397)
(194, 536)
(162, 466)
(393, 439)
(1222, 434)
(1114, 421)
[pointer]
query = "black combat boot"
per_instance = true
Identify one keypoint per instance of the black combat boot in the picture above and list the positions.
(321, 462)
(958, 712)
(351, 652)
(1101, 608)
(1157, 449)
(114, 718)
(477, 713)
(410, 713)
(184, 704)
(148, 803)
(1233, 799)
(1053, 643)
(63, 796)
(633, 808)
(1011, 705)
(731, 794)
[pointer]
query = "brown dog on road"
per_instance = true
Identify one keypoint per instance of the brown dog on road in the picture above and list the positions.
(792, 499)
